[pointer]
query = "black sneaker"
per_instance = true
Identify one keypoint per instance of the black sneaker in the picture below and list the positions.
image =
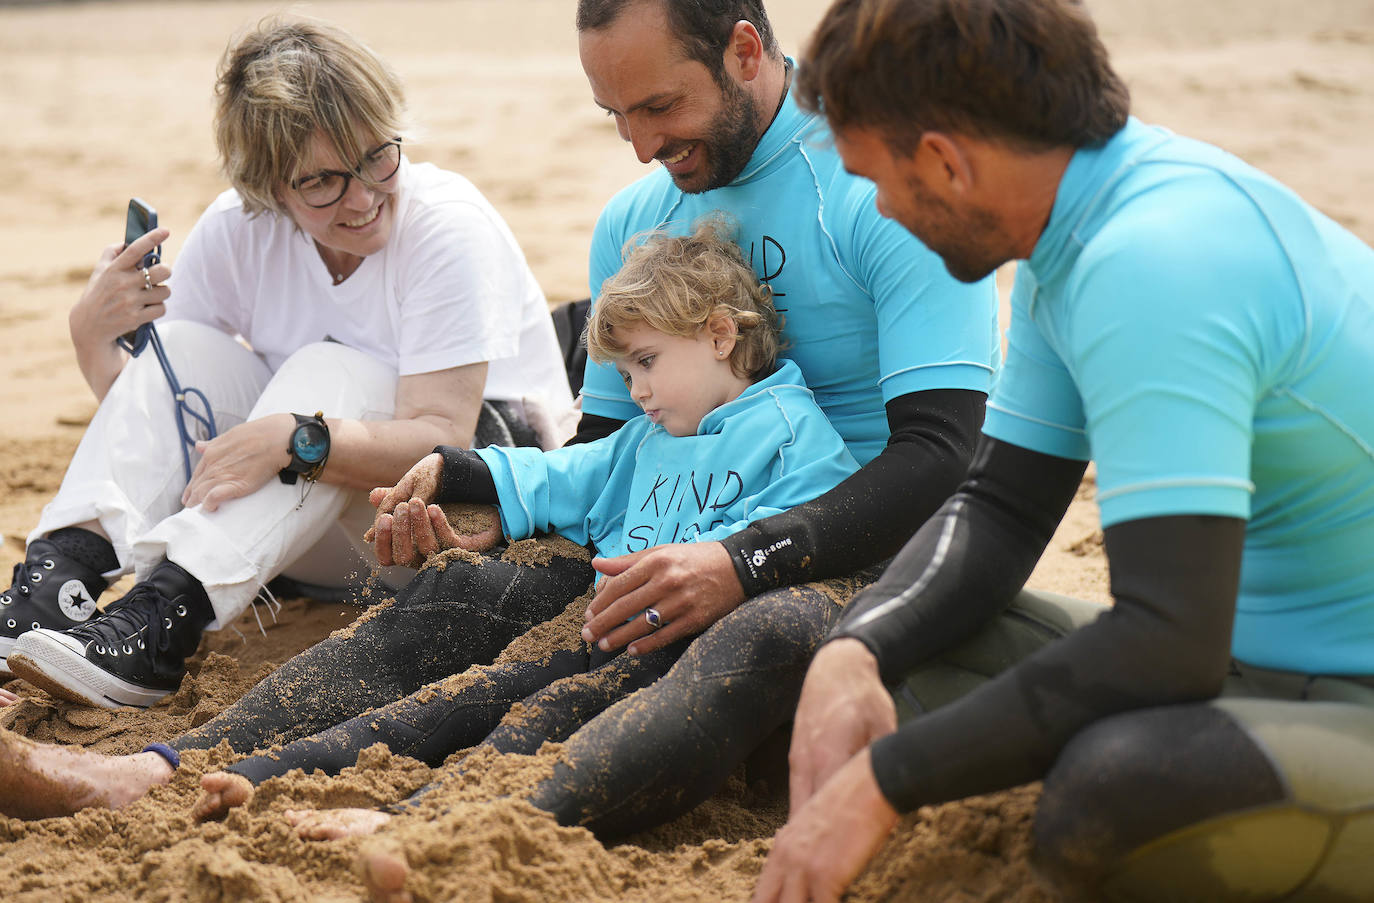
(134, 654)
(48, 589)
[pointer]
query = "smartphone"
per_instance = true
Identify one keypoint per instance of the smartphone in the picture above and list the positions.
(141, 220)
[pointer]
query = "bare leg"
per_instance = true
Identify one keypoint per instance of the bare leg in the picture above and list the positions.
(41, 781)
(223, 791)
(384, 872)
(335, 824)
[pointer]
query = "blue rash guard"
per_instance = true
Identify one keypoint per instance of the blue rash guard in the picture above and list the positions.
(1205, 336)
(766, 451)
(870, 313)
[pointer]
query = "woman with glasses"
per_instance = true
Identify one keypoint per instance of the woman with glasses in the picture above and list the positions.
(343, 310)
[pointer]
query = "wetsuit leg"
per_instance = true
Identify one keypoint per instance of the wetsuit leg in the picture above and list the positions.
(558, 709)
(1248, 799)
(429, 724)
(445, 620)
(1033, 619)
(653, 756)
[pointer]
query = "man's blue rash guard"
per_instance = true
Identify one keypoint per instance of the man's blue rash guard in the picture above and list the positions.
(870, 314)
(766, 451)
(1206, 337)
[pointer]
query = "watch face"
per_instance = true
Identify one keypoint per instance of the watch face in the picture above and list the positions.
(310, 442)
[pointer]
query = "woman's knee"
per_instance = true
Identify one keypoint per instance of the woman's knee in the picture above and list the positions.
(343, 381)
(201, 357)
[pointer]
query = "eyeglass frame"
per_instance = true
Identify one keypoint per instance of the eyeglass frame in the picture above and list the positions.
(349, 176)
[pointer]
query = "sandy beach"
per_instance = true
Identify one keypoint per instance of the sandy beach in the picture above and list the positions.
(111, 99)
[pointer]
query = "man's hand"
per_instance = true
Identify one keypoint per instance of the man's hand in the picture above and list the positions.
(413, 531)
(690, 585)
(239, 461)
(843, 707)
(827, 842)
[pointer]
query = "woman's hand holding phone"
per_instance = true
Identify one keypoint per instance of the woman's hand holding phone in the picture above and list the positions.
(117, 300)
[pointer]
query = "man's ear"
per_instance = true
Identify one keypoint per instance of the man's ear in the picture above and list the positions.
(744, 53)
(946, 160)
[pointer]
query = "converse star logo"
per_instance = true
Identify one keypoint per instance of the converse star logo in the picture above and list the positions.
(75, 601)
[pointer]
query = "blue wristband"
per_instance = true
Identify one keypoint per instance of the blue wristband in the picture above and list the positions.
(162, 749)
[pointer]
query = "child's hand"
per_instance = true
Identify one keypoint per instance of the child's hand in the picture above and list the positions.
(471, 526)
(420, 482)
(413, 531)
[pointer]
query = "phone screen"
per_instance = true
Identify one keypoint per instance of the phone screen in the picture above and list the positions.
(140, 220)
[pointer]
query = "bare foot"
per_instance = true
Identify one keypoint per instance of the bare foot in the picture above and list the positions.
(333, 824)
(8, 698)
(223, 790)
(384, 872)
(38, 780)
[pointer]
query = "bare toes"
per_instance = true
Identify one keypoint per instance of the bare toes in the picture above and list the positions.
(223, 791)
(384, 873)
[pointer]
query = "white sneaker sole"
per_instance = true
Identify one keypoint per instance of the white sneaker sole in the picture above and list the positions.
(6, 644)
(47, 659)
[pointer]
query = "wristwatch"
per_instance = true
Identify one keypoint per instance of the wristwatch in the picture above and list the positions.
(309, 448)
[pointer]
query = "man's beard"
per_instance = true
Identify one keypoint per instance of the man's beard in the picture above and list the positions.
(960, 240)
(731, 139)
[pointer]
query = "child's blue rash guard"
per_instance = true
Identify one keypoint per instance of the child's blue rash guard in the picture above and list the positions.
(1208, 339)
(766, 451)
(870, 313)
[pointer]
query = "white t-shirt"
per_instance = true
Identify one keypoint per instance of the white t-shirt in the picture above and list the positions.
(450, 288)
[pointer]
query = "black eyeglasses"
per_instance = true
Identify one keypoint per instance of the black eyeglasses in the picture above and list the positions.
(328, 186)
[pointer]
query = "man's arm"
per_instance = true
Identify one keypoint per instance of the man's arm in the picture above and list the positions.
(962, 567)
(869, 516)
(933, 433)
(1166, 640)
(592, 427)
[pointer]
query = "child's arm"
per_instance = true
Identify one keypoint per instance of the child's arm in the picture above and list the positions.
(411, 524)
(569, 490)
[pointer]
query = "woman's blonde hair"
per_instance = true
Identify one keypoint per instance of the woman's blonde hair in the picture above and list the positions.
(286, 79)
(676, 284)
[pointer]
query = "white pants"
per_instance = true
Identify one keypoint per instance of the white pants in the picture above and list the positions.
(127, 473)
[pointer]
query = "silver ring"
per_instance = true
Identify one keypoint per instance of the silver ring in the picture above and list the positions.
(653, 617)
(147, 280)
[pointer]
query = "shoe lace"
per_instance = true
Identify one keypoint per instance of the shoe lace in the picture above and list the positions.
(21, 581)
(143, 617)
(15, 585)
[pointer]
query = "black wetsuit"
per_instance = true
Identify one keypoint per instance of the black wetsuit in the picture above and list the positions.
(1116, 716)
(714, 699)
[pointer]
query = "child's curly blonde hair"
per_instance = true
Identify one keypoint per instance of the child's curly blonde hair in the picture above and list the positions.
(676, 284)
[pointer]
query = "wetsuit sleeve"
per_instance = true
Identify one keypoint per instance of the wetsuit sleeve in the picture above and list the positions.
(592, 427)
(968, 561)
(465, 477)
(867, 517)
(1174, 580)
